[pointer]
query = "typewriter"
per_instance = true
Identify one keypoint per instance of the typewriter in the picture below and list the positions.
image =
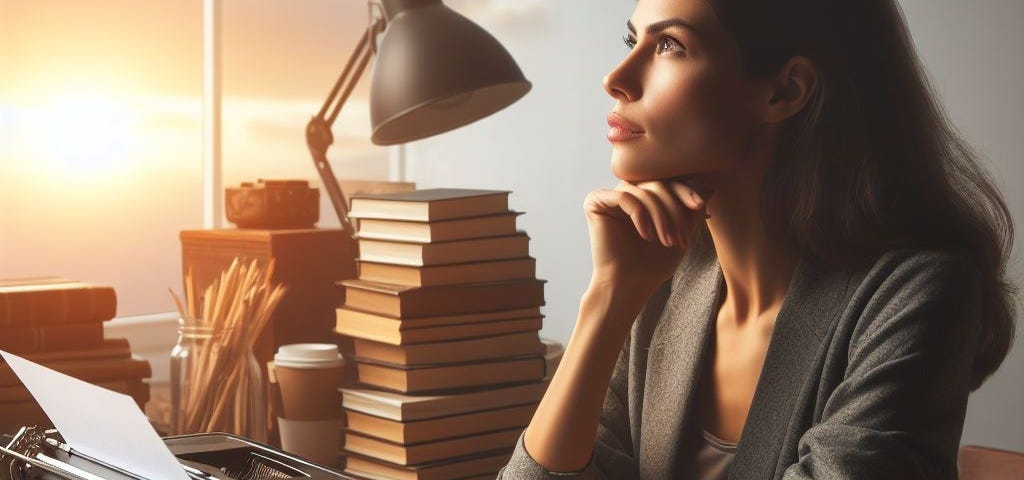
(34, 453)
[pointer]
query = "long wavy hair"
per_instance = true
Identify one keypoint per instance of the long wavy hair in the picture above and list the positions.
(873, 163)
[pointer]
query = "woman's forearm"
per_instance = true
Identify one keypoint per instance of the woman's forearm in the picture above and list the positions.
(563, 430)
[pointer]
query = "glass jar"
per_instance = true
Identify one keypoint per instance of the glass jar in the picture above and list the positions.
(188, 357)
(216, 385)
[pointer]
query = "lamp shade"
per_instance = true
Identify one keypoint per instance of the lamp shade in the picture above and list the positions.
(436, 71)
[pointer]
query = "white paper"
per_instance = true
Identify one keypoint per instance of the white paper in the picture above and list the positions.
(98, 422)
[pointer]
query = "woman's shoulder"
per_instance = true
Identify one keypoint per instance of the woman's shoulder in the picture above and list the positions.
(918, 271)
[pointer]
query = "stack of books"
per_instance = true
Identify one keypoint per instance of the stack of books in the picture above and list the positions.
(443, 319)
(58, 323)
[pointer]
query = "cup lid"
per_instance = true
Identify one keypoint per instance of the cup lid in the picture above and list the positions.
(308, 355)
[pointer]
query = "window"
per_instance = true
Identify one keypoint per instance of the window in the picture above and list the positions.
(101, 114)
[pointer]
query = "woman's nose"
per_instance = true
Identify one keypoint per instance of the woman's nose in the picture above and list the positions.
(621, 83)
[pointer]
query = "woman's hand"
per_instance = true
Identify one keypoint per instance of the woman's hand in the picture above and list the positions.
(639, 233)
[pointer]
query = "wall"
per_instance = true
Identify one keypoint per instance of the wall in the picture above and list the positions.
(549, 148)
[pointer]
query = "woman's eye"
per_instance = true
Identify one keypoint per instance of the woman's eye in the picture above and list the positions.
(668, 45)
(629, 41)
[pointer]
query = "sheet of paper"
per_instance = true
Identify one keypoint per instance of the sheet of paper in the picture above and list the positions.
(98, 422)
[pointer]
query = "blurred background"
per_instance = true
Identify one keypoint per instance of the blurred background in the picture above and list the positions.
(101, 135)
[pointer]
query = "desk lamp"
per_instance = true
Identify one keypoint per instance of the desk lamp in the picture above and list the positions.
(435, 71)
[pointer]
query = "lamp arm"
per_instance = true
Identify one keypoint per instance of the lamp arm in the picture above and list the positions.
(318, 131)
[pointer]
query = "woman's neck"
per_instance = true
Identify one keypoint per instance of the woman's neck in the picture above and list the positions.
(757, 266)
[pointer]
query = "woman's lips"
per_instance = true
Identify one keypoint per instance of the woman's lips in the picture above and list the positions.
(621, 129)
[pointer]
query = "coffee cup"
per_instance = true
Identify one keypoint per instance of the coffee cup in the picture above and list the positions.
(310, 418)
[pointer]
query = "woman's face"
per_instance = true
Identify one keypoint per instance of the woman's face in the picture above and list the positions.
(683, 105)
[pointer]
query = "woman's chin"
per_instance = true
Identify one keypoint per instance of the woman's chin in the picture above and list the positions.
(632, 170)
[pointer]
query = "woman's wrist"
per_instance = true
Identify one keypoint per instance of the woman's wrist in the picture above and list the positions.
(611, 304)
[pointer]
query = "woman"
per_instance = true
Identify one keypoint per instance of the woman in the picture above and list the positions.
(802, 272)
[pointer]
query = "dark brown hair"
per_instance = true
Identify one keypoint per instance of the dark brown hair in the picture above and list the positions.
(872, 163)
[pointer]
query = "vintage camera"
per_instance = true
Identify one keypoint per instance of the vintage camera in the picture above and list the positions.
(273, 204)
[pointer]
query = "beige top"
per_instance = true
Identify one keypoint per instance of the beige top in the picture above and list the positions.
(714, 456)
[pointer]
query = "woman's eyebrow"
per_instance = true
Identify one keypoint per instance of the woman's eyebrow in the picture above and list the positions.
(662, 25)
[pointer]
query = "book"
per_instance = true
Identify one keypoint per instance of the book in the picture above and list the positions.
(409, 302)
(463, 350)
(430, 451)
(440, 428)
(135, 388)
(23, 281)
(486, 464)
(395, 334)
(374, 321)
(433, 275)
(426, 232)
(51, 338)
(41, 301)
(429, 205)
(444, 253)
(97, 370)
(427, 378)
(111, 348)
(407, 408)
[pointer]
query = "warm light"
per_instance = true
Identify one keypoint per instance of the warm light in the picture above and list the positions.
(86, 135)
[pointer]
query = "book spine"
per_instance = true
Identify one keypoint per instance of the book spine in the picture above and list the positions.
(51, 338)
(99, 371)
(60, 306)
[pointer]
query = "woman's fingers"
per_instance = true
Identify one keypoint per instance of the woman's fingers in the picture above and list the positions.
(680, 202)
(621, 204)
(677, 208)
(664, 225)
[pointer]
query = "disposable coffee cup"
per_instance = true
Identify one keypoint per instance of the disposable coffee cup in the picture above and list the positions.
(310, 417)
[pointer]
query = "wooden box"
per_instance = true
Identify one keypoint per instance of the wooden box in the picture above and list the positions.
(308, 263)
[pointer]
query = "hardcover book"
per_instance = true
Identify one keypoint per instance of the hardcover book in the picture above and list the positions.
(430, 451)
(440, 428)
(484, 465)
(54, 301)
(444, 253)
(439, 231)
(455, 351)
(51, 338)
(427, 378)
(428, 276)
(409, 302)
(430, 204)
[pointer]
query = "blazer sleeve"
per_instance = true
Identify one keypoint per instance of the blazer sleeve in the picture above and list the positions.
(612, 457)
(898, 413)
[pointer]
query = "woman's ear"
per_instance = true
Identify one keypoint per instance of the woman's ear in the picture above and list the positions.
(790, 89)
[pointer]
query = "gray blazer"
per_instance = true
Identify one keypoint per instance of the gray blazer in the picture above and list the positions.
(866, 377)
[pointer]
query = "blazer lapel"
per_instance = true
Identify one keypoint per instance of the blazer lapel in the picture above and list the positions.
(678, 345)
(809, 309)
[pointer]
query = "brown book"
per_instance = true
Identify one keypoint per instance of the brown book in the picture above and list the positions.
(51, 338)
(384, 323)
(440, 428)
(430, 204)
(445, 230)
(473, 272)
(98, 370)
(410, 302)
(484, 465)
(427, 378)
(135, 388)
(444, 253)
(408, 408)
(430, 451)
(38, 301)
(467, 350)
(111, 348)
(445, 332)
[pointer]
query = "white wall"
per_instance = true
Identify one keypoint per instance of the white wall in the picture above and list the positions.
(549, 148)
